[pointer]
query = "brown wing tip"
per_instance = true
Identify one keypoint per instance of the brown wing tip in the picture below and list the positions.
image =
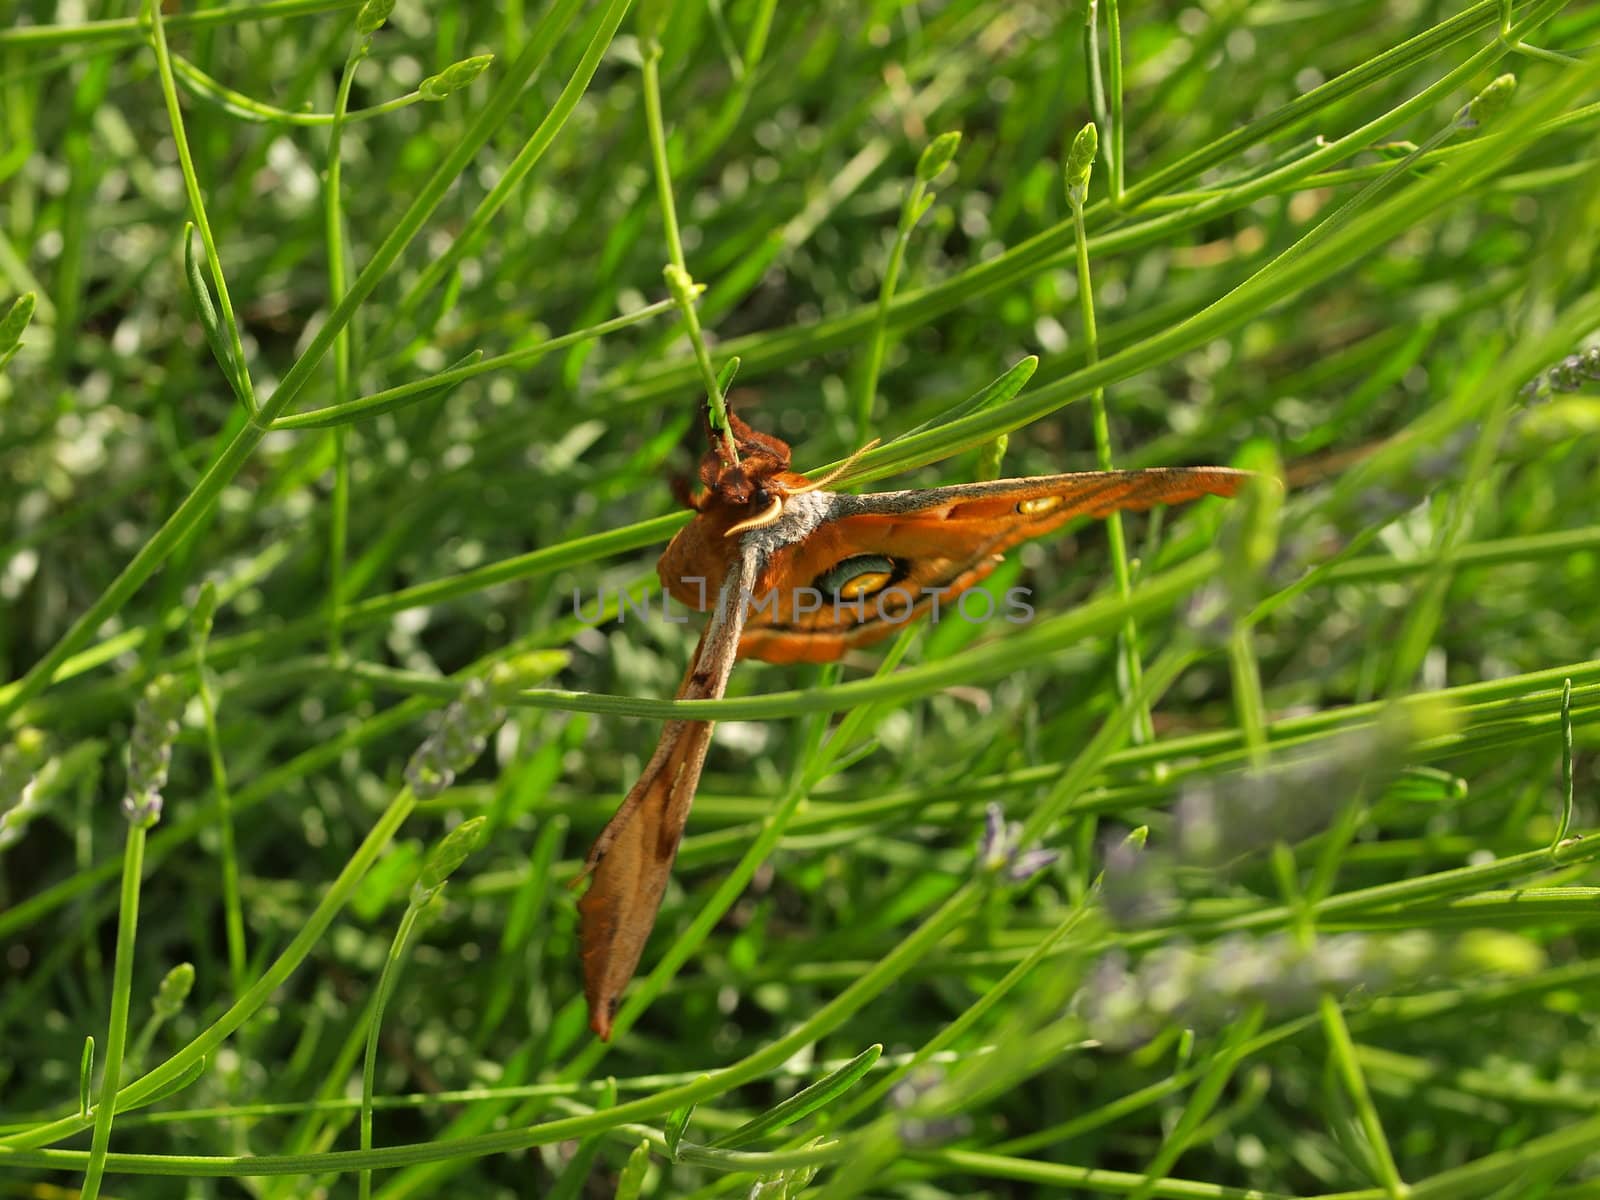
(1237, 477)
(600, 1021)
(1197, 482)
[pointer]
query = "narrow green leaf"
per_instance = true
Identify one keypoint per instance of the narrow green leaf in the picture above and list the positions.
(992, 457)
(798, 1179)
(631, 1182)
(200, 293)
(650, 18)
(203, 613)
(570, 1184)
(448, 297)
(1395, 150)
(1565, 825)
(1425, 785)
(729, 370)
(172, 1088)
(677, 1123)
(16, 319)
(86, 1076)
(526, 669)
(12, 326)
(805, 1101)
(998, 392)
(371, 406)
(1203, 1099)
(1249, 537)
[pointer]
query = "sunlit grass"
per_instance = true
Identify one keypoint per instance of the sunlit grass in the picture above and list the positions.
(298, 453)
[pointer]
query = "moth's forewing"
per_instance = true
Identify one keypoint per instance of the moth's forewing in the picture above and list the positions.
(632, 858)
(939, 542)
(968, 519)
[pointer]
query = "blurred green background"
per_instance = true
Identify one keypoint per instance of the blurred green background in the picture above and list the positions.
(1305, 255)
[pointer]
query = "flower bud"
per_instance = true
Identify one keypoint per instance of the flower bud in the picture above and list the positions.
(174, 990)
(1000, 849)
(454, 77)
(457, 743)
(1489, 103)
(936, 155)
(155, 728)
(372, 16)
(448, 853)
(20, 802)
(1080, 161)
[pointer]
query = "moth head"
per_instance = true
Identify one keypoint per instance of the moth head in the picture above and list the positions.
(749, 485)
(760, 481)
(760, 495)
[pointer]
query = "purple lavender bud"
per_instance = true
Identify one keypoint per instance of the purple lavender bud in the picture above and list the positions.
(462, 735)
(155, 728)
(1000, 849)
(1443, 461)
(1382, 505)
(1205, 988)
(1029, 863)
(1111, 1004)
(1198, 824)
(142, 808)
(912, 1098)
(932, 1131)
(1230, 815)
(1568, 375)
(992, 852)
(1134, 889)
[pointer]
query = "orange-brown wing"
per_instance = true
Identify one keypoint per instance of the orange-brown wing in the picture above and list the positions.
(876, 561)
(632, 858)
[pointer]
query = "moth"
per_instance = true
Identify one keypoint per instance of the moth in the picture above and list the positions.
(791, 572)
